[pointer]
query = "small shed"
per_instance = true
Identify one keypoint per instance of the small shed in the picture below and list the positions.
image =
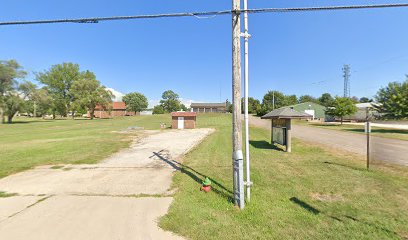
(281, 125)
(183, 120)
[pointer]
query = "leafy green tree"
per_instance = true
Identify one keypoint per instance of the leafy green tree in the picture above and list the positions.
(43, 102)
(13, 104)
(135, 102)
(170, 101)
(289, 100)
(252, 105)
(274, 100)
(228, 106)
(158, 110)
(365, 100)
(393, 100)
(59, 80)
(307, 98)
(326, 100)
(342, 106)
(183, 107)
(10, 71)
(88, 93)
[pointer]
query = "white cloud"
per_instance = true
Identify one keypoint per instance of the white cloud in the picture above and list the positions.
(117, 95)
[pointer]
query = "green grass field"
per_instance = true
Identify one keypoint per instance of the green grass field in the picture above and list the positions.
(308, 194)
(28, 143)
(376, 131)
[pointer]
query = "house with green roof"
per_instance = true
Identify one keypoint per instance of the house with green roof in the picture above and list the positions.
(311, 108)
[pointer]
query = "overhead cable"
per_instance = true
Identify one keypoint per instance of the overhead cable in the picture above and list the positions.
(202, 14)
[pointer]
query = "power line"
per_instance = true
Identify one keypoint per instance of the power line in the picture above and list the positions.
(204, 14)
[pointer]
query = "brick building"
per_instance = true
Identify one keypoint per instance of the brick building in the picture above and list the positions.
(116, 109)
(209, 107)
(183, 120)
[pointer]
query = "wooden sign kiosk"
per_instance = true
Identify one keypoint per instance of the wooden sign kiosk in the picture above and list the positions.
(281, 125)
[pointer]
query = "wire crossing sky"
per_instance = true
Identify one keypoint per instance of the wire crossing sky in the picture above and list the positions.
(299, 50)
(200, 14)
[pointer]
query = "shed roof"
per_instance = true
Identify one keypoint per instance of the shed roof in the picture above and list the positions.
(286, 113)
(183, 114)
(208, 105)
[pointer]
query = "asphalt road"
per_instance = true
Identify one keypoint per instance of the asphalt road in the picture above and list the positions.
(382, 149)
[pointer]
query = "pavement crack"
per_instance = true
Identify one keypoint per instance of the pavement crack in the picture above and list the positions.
(29, 206)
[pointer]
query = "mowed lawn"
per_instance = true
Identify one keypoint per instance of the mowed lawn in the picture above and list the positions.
(307, 194)
(28, 143)
(399, 134)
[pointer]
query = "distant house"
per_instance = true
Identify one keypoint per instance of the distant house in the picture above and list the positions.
(116, 109)
(363, 110)
(209, 107)
(311, 108)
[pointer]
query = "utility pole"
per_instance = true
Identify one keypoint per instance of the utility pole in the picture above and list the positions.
(237, 156)
(246, 36)
(368, 131)
(346, 75)
(273, 100)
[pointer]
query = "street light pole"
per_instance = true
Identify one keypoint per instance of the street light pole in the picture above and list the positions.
(246, 36)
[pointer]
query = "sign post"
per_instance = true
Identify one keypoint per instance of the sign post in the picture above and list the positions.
(367, 130)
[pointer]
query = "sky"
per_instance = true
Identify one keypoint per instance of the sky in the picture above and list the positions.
(296, 53)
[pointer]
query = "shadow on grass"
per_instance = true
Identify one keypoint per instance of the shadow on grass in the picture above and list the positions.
(396, 131)
(343, 165)
(304, 205)
(264, 145)
(196, 176)
(363, 222)
(26, 122)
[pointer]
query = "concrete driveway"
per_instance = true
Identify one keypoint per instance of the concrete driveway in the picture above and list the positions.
(119, 198)
(382, 149)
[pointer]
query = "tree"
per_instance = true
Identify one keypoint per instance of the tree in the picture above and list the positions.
(365, 100)
(13, 104)
(326, 100)
(289, 100)
(88, 93)
(273, 100)
(253, 105)
(43, 102)
(10, 71)
(28, 89)
(228, 106)
(135, 102)
(342, 106)
(393, 100)
(183, 107)
(158, 109)
(307, 98)
(170, 101)
(59, 80)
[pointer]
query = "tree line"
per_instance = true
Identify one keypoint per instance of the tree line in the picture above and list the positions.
(390, 101)
(66, 91)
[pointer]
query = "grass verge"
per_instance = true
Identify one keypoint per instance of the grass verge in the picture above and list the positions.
(33, 142)
(308, 194)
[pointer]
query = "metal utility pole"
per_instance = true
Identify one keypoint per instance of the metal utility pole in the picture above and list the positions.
(237, 156)
(346, 75)
(368, 131)
(246, 37)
